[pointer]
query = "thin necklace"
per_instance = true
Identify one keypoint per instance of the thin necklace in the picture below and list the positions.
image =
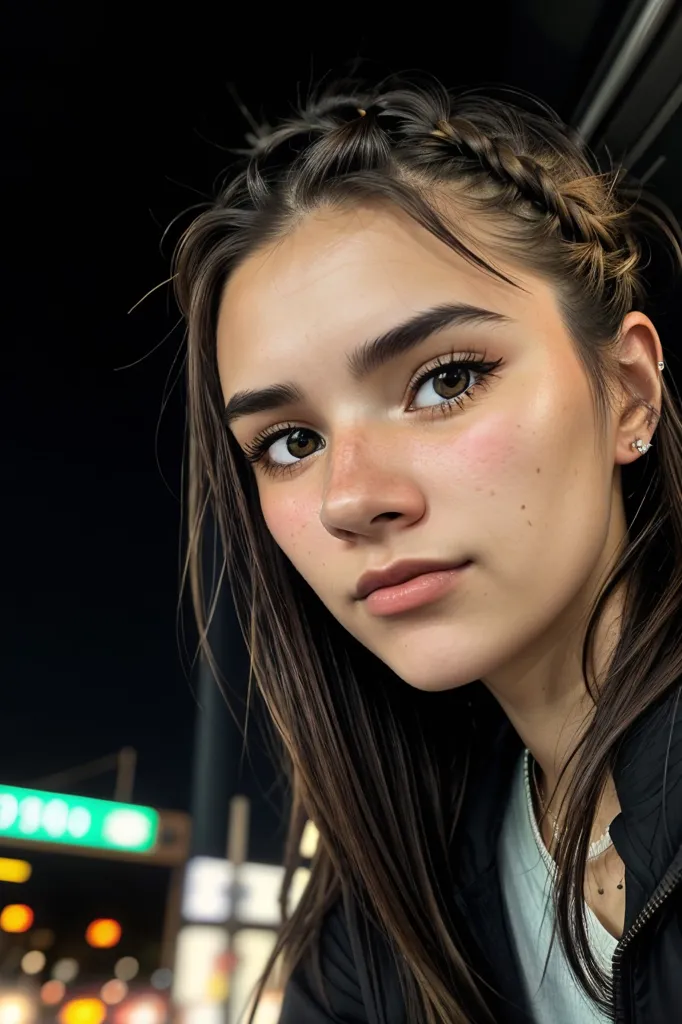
(596, 849)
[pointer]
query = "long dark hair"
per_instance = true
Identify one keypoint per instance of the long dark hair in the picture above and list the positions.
(367, 756)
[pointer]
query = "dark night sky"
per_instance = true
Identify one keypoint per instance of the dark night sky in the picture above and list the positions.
(112, 122)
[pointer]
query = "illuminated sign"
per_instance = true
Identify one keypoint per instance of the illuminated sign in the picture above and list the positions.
(76, 820)
(209, 890)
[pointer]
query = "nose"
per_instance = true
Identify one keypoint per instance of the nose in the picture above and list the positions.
(366, 487)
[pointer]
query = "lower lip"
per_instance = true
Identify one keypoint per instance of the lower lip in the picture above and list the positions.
(415, 592)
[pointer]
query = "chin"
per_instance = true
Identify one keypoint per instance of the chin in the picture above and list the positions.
(435, 674)
(436, 682)
(448, 659)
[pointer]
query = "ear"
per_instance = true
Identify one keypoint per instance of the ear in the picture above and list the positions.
(639, 352)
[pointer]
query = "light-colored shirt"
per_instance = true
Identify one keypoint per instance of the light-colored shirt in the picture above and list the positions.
(527, 879)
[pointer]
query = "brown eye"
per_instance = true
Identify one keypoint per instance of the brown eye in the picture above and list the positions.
(300, 442)
(284, 448)
(447, 383)
(450, 380)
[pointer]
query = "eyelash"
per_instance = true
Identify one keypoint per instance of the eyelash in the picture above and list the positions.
(255, 451)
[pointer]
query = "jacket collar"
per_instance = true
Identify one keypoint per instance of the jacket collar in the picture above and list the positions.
(648, 764)
(648, 778)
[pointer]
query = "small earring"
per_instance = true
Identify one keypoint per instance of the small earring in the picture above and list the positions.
(661, 366)
(640, 446)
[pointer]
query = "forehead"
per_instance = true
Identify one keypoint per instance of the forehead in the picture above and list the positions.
(342, 276)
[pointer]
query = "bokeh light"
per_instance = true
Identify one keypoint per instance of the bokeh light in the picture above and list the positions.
(33, 962)
(144, 1010)
(114, 992)
(65, 970)
(162, 978)
(103, 933)
(309, 840)
(83, 1011)
(53, 992)
(16, 1008)
(127, 968)
(12, 870)
(16, 918)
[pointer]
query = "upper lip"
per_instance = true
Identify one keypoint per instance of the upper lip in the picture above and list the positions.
(400, 572)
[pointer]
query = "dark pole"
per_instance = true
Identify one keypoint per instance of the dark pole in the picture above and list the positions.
(217, 737)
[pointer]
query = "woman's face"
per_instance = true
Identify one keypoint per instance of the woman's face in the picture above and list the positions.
(370, 468)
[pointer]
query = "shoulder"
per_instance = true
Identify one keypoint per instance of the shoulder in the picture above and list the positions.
(357, 980)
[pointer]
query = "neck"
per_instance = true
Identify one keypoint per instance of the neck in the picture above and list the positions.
(545, 698)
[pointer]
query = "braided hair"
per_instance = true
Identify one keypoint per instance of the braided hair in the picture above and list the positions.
(406, 144)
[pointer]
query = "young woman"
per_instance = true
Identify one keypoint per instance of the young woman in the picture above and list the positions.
(423, 393)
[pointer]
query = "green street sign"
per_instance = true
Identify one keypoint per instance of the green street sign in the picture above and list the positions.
(76, 820)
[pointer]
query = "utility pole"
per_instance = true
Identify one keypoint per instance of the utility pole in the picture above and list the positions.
(125, 775)
(217, 743)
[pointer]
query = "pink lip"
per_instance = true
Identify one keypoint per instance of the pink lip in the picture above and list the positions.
(415, 592)
(401, 572)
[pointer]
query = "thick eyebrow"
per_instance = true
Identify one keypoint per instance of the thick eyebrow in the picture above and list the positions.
(368, 356)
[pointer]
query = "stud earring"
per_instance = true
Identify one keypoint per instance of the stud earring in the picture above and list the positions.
(641, 447)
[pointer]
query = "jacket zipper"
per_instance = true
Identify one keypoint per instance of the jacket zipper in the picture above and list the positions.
(667, 885)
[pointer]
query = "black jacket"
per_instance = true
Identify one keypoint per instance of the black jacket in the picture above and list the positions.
(647, 964)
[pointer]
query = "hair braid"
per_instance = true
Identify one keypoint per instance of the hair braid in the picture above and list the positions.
(576, 221)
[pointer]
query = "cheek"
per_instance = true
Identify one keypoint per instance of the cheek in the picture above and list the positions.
(291, 520)
(535, 493)
(514, 481)
(490, 448)
(486, 456)
(528, 447)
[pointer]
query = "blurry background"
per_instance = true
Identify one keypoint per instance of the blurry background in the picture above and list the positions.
(114, 121)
